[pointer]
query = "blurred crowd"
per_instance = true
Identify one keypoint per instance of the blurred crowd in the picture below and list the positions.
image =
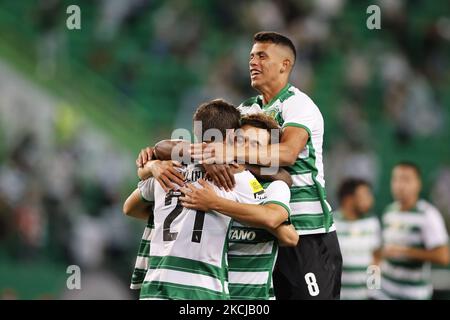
(60, 186)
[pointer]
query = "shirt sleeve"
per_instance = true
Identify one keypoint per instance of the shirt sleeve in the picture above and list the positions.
(300, 111)
(278, 193)
(434, 231)
(147, 189)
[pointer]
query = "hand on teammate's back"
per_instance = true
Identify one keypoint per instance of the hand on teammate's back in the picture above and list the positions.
(221, 175)
(198, 198)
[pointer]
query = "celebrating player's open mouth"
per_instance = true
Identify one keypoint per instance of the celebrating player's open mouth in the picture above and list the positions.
(254, 73)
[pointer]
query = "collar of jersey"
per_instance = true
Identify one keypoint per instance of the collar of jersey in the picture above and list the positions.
(278, 95)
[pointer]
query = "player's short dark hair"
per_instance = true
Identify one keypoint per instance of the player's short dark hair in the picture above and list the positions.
(410, 164)
(276, 38)
(217, 114)
(348, 187)
(262, 121)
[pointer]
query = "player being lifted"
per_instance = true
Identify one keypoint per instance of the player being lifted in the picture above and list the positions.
(187, 258)
(313, 269)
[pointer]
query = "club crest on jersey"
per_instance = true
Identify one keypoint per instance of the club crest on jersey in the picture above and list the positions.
(272, 112)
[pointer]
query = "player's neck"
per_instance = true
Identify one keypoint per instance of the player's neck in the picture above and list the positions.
(408, 204)
(349, 213)
(268, 93)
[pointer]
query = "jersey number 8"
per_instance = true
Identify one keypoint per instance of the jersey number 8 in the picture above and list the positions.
(311, 281)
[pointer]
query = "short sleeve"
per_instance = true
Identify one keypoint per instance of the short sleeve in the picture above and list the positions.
(147, 189)
(300, 111)
(434, 231)
(278, 193)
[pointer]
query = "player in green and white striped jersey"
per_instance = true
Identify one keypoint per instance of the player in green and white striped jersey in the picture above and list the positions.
(414, 236)
(245, 192)
(251, 261)
(309, 207)
(139, 207)
(188, 251)
(141, 265)
(359, 237)
(253, 250)
(187, 257)
(302, 273)
(252, 253)
(166, 289)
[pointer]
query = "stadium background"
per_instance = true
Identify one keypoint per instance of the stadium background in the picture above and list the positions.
(77, 105)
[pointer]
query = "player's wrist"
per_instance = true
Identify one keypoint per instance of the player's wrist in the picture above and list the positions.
(148, 170)
(216, 203)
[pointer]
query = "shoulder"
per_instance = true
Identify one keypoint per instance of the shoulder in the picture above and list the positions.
(247, 186)
(249, 102)
(389, 212)
(146, 185)
(371, 219)
(250, 106)
(295, 97)
(277, 184)
(278, 189)
(428, 209)
(278, 193)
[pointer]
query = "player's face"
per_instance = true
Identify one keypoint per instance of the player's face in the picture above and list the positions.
(405, 183)
(265, 64)
(363, 199)
(252, 137)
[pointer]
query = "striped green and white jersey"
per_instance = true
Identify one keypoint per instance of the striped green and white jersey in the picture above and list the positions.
(146, 188)
(311, 213)
(421, 227)
(253, 251)
(188, 252)
(358, 240)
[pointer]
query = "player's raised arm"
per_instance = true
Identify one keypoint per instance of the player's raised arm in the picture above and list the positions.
(149, 165)
(270, 216)
(163, 150)
(293, 141)
(156, 162)
(165, 172)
